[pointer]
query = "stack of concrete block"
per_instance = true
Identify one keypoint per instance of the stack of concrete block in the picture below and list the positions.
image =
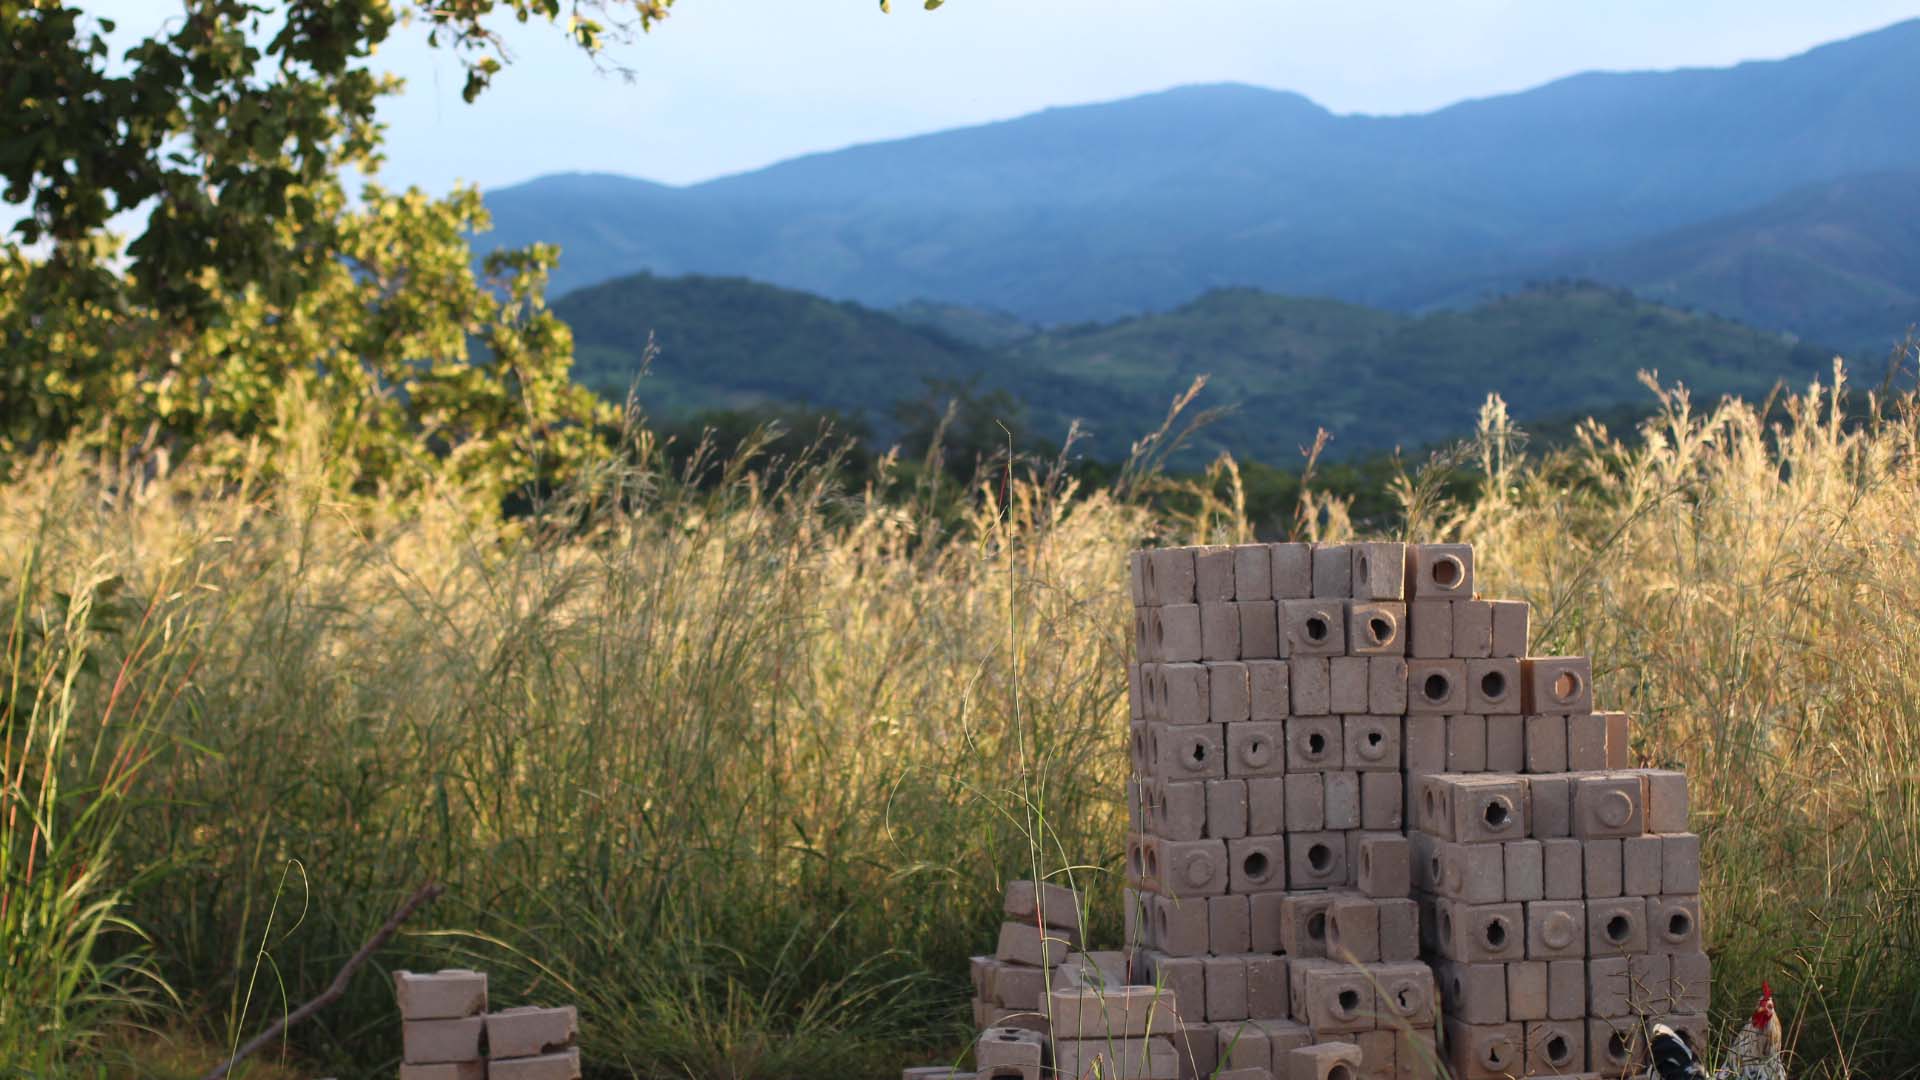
(1042, 928)
(445, 1024)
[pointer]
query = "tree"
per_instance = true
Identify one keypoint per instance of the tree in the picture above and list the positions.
(230, 130)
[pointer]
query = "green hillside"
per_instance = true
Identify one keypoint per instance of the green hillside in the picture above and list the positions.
(1286, 365)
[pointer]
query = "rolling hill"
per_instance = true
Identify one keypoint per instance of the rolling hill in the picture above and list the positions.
(1287, 365)
(1106, 211)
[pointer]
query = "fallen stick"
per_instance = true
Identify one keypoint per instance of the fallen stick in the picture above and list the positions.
(424, 894)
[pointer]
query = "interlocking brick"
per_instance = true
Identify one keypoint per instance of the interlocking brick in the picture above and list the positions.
(1493, 686)
(1353, 930)
(1259, 629)
(431, 1042)
(1175, 634)
(1220, 631)
(1481, 933)
(1257, 864)
(1046, 903)
(1303, 924)
(1252, 572)
(1680, 863)
(1424, 744)
(1226, 987)
(1257, 748)
(1387, 685)
(1315, 743)
(1292, 571)
(1316, 860)
(528, 1031)
(1673, 924)
(1229, 924)
(440, 995)
(1557, 684)
(1170, 576)
(1440, 571)
(1436, 686)
(1137, 1059)
(1111, 1012)
(1527, 990)
(1406, 993)
(1180, 925)
(1486, 1051)
(1267, 987)
(1509, 628)
(1380, 801)
(1506, 744)
(1556, 929)
(1586, 742)
(1474, 993)
(1550, 798)
(1472, 629)
(1563, 860)
(1376, 628)
(1546, 744)
(1666, 800)
(1371, 742)
(1306, 802)
(1314, 627)
(1343, 801)
(1332, 571)
(1399, 929)
(1429, 629)
(1269, 696)
(1616, 926)
(1466, 743)
(1525, 869)
(1640, 865)
(1334, 998)
(1266, 805)
(1213, 573)
(1555, 1047)
(1322, 1061)
(1310, 682)
(564, 1065)
(1470, 873)
(1188, 751)
(1347, 684)
(1608, 804)
(1379, 570)
(1618, 732)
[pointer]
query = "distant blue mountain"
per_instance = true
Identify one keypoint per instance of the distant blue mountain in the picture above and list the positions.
(1103, 211)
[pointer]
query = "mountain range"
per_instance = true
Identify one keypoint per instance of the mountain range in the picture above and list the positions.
(1375, 379)
(1782, 193)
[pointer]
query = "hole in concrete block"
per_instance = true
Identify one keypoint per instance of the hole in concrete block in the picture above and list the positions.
(1375, 738)
(1493, 686)
(1364, 566)
(1433, 811)
(1409, 999)
(1496, 933)
(1617, 1048)
(1558, 1051)
(1446, 922)
(1566, 686)
(1380, 628)
(1199, 751)
(1255, 864)
(1316, 628)
(1619, 928)
(1497, 1054)
(1340, 1071)
(1498, 813)
(1436, 687)
(1679, 925)
(1447, 571)
(1349, 1001)
(1366, 861)
(1317, 926)
(1320, 857)
(1316, 744)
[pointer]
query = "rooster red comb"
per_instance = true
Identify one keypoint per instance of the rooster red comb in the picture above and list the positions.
(1763, 1012)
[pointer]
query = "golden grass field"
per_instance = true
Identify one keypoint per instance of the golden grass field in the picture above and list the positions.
(741, 767)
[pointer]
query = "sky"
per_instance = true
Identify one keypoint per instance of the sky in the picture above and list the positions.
(725, 86)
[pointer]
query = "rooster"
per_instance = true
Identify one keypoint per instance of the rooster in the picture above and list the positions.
(1755, 1053)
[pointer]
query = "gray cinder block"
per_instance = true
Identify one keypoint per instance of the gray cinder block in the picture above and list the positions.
(1292, 571)
(1026, 943)
(1371, 742)
(1313, 627)
(564, 1065)
(1527, 990)
(440, 995)
(1616, 926)
(1493, 687)
(1440, 571)
(1170, 576)
(1376, 628)
(1379, 570)
(1270, 698)
(1347, 688)
(1008, 1047)
(1436, 686)
(1316, 860)
(1213, 574)
(1486, 1051)
(1252, 572)
(1557, 684)
(1555, 1047)
(430, 1042)
(529, 1031)
(1257, 864)
(1332, 571)
(1556, 929)
(1045, 903)
(1310, 685)
(1386, 685)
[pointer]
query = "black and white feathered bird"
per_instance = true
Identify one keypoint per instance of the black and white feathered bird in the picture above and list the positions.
(1672, 1058)
(1756, 1053)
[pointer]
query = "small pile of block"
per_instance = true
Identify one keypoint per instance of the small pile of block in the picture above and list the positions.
(1042, 927)
(448, 1034)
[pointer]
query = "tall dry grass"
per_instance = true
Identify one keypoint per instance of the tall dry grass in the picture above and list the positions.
(741, 767)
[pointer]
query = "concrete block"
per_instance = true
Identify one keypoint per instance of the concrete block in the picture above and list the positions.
(1384, 869)
(1316, 860)
(1376, 1054)
(1136, 814)
(1399, 929)
(1472, 629)
(1489, 808)
(1175, 634)
(1525, 869)
(1229, 924)
(1608, 804)
(528, 1031)
(1690, 980)
(1423, 744)
(1226, 987)
(1267, 987)
(1618, 733)
(981, 969)
(1347, 684)
(1666, 800)
(1259, 629)
(1292, 571)
(1343, 801)
(1139, 737)
(1474, 993)
(1486, 1051)
(1616, 1046)
(1379, 570)
(1013, 986)
(445, 1070)
(1220, 631)
(1481, 933)
(1406, 994)
(1604, 867)
(1429, 629)
(1353, 930)
(1586, 742)
(1213, 573)
(1303, 924)
(1376, 628)
(1323, 1061)
(1242, 1047)
(564, 1065)
(1617, 987)
(1314, 627)
(1192, 867)
(1196, 1050)
(1466, 743)
(1257, 748)
(1566, 989)
(431, 1042)
(1436, 686)
(1187, 751)
(1026, 943)
(1550, 798)
(1046, 903)
(1556, 929)
(1252, 572)
(1101, 967)
(1680, 863)
(1179, 808)
(1266, 922)
(1432, 807)
(1266, 806)
(1310, 682)
(1509, 628)
(1506, 744)
(1226, 809)
(1560, 685)
(1546, 744)
(1170, 576)
(1099, 1059)
(1555, 1047)
(1440, 571)
(1640, 866)
(1183, 978)
(1564, 869)
(1269, 697)
(1493, 687)
(1386, 685)
(1380, 795)
(1146, 632)
(1229, 693)
(440, 995)
(1673, 924)
(1306, 802)
(1335, 998)
(1371, 742)
(1315, 744)
(1257, 864)
(1136, 695)
(1616, 926)
(1332, 571)
(1527, 990)
(1180, 925)
(1469, 873)
(1188, 693)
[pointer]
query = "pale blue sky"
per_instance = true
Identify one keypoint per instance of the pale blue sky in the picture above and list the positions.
(728, 85)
